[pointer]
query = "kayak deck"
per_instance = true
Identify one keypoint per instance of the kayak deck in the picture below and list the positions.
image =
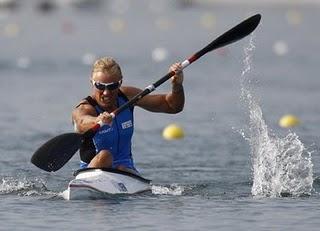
(99, 182)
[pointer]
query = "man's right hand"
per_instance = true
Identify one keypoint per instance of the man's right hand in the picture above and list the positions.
(104, 118)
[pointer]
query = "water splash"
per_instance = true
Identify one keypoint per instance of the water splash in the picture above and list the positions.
(173, 189)
(22, 187)
(280, 166)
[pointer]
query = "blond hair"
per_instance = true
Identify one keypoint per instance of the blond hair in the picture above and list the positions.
(106, 65)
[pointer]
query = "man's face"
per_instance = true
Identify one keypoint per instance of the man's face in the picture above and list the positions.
(105, 90)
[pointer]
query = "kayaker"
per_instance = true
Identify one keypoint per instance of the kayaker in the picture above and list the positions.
(111, 145)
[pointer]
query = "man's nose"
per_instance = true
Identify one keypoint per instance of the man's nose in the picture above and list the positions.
(106, 91)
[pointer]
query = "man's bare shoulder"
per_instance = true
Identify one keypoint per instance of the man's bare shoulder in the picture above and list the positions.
(84, 108)
(130, 91)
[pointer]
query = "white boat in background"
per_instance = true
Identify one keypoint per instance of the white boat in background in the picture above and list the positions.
(90, 183)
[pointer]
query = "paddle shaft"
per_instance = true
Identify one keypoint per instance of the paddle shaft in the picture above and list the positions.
(153, 86)
(147, 90)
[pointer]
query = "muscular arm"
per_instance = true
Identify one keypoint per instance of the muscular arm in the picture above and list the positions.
(84, 117)
(172, 102)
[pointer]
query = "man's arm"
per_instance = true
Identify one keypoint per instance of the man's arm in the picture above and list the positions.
(84, 117)
(172, 102)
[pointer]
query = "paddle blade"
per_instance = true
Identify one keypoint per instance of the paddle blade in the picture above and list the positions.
(236, 33)
(55, 153)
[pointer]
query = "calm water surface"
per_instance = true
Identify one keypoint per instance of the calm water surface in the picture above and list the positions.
(236, 169)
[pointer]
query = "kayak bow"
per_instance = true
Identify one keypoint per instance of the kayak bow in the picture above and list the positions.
(91, 183)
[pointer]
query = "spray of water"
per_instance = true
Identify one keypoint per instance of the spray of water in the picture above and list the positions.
(173, 189)
(23, 186)
(280, 166)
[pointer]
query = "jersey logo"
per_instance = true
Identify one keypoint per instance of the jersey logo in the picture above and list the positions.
(106, 130)
(127, 124)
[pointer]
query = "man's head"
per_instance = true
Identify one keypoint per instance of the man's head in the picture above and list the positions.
(108, 66)
(106, 78)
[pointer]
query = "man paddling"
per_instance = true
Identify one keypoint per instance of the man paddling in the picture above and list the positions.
(111, 145)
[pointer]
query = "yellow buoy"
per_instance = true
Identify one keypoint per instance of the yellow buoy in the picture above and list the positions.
(173, 132)
(288, 121)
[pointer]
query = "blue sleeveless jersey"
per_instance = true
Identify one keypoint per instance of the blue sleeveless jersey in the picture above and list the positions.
(116, 138)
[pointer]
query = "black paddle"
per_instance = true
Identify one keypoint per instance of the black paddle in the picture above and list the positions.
(56, 152)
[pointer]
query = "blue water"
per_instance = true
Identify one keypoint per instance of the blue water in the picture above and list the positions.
(236, 169)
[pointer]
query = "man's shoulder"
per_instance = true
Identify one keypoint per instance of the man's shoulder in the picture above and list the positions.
(130, 91)
(84, 105)
(88, 101)
(83, 109)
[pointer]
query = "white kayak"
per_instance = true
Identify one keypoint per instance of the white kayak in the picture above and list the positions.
(100, 182)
